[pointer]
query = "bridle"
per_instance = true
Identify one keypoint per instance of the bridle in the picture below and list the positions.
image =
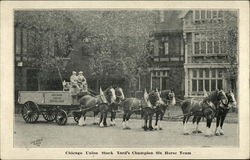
(221, 100)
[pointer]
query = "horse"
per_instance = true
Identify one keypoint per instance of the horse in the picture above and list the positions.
(202, 108)
(144, 106)
(114, 106)
(99, 103)
(166, 98)
(222, 112)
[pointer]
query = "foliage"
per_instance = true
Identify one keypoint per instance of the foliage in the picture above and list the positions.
(115, 39)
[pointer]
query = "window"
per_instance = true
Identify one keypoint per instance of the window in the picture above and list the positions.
(197, 36)
(196, 48)
(220, 14)
(223, 46)
(209, 47)
(197, 14)
(207, 80)
(160, 79)
(200, 73)
(214, 14)
(203, 47)
(161, 16)
(207, 85)
(216, 47)
(200, 85)
(213, 73)
(209, 14)
(206, 73)
(194, 85)
(166, 48)
(194, 73)
(203, 14)
(219, 84)
(220, 73)
(213, 85)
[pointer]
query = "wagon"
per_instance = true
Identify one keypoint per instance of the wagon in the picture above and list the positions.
(52, 105)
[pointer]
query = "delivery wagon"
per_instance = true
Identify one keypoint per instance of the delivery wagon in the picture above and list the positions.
(52, 105)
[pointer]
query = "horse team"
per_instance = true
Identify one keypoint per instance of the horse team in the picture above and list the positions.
(216, 104)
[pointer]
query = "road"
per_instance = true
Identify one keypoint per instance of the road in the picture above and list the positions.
(50, 135)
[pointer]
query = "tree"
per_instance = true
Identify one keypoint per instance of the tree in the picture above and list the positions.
(116, 40)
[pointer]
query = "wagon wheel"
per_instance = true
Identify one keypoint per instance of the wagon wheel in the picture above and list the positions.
(77, 116)
(61, 117)
(30, 112)
(49, 115)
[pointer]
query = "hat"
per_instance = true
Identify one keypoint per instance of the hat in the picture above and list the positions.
(80, 72)
(74, 72)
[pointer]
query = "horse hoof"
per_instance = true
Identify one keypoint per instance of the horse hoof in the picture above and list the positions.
(186, 133)
(160, 128)
(195, 132)
(222, 134)
(128, 128)
(217, 134)
(199, 131)
(145, 128)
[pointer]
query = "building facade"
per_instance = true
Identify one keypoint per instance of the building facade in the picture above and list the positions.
(206, 54)
(167, 71)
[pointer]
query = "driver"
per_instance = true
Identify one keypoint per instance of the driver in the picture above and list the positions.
(82, 82)
(74, 80)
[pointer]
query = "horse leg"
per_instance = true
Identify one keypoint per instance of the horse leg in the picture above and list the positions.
(112, 122)
(197, 125)
(101, 119)
(96, 117)
(82, 119)
(194, 124)
(123, 120)
(222, 121)
(156, 121)
(105, 118)
(159, 122)
(145, 122)
(150, 121)
(185, 120)
(218, 119)
(127, 118)
(208, 133)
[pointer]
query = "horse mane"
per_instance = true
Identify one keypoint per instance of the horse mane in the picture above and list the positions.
(212, 97)
(107, 89)
(153, 97)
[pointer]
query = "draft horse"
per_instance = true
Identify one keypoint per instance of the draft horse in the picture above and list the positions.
(202, 108)
(100, 103)
(166, 98)
(144, 107)
(114, 106)
(222, 112)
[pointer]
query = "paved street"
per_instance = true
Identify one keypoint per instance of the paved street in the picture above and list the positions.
(43, 134)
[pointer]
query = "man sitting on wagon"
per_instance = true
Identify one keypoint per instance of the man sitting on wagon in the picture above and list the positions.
(74, 80)
(82, 82)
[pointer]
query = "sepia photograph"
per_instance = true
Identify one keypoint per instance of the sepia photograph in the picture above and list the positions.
(144, 78)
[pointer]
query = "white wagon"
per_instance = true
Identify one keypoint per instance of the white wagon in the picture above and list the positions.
(52, 105)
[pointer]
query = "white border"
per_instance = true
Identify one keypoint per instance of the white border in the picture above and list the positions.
(7, 79)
